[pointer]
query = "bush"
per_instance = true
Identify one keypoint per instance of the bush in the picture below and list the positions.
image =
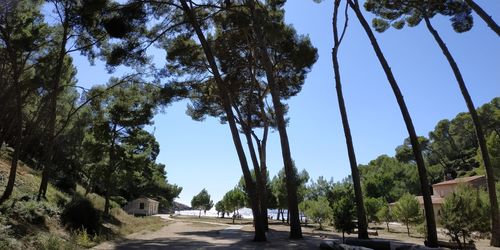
(80, 213)
(318, 211)
(385, 214)
(66, 184)
(344, 215)
(407, 210)
(372, 206)
(81, 238)
(7, 241)
(463, 212)
(51, 242)
(29, 210)
(119, 200)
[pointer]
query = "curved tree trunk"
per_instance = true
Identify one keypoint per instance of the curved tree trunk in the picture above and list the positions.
(495, 222)
(422, 172)
(293, 207)
(222, 88)
(360, 208)
(487, 18)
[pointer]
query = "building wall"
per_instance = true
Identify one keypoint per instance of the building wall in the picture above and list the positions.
(134, 207)
(443, 190)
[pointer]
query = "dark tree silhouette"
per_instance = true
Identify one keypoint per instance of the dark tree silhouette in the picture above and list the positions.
(422, 172)
(337, 40)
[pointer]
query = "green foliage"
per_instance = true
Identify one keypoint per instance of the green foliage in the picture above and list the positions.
(388, 178)
(385, 214)
(80, 213)
(279, 190)
(83, 239)
(31, 211)
(202, 201)
(463, 212)
(411, 12)
(407, 210)
(344, 212)
(318, 211)
(7, 239)
(52, 242)
(234, 200)
(220, 207)
(372, 207)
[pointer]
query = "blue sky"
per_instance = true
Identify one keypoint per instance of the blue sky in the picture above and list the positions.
(201, 154)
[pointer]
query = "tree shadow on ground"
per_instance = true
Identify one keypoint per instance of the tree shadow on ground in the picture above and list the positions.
(223, 239)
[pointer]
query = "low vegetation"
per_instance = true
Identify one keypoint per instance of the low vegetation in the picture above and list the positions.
(63, 220)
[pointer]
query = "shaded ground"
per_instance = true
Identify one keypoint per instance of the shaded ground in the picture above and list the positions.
(198, 235)
(211, 233)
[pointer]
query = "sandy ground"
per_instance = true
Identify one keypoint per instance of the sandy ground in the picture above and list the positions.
(194, 233)
(182, 234)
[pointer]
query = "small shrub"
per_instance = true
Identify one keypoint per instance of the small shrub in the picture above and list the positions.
(66, 184)
(465, 212)
(408, 211)
(318, 211)
(80, 213)
(7, 241)
(81, 238)
(119, 200)
(29, 211)
(51, 242)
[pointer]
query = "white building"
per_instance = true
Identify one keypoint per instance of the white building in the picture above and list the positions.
(142, 206)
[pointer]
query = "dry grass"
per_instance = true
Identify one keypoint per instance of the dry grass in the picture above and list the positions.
(27, 183)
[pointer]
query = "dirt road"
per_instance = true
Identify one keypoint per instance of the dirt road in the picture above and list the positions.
(180, 234)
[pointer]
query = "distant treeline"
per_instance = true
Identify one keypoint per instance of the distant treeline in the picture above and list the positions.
(450, 151)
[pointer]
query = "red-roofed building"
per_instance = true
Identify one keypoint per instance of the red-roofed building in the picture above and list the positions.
(443, 189)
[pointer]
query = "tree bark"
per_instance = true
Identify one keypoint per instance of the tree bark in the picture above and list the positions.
(110, 170)
(422, 172)
(360, 208)
(50, 134)
(487, 18)
(495, 222)
(222, 88)
(258, 177)
(17, 148)
(291, 183)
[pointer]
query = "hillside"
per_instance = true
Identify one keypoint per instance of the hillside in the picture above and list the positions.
(179, 206)
(28, 224)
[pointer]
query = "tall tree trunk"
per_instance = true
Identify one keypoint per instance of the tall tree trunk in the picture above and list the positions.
(262, 149)
(17, 147)
(487, 18)
(260, 186)
(495, 222)
(110, 170)
(258, 177)
(291, 183)
(422, 172)
(50, 134)
(360, 208)
(260, 234)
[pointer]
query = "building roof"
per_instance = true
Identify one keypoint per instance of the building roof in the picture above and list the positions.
(148, 199)
(459, 180)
